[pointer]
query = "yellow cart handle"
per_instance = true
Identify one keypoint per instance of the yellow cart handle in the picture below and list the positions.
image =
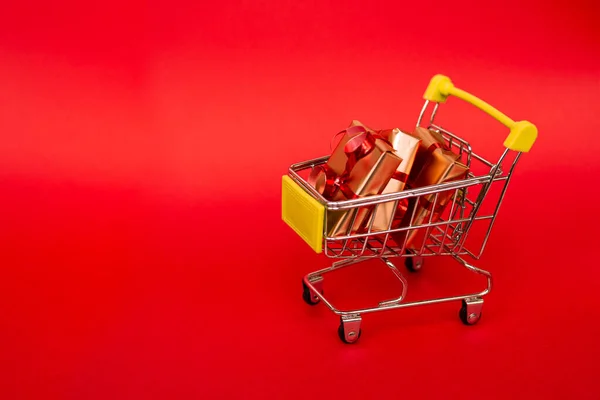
(522, 134)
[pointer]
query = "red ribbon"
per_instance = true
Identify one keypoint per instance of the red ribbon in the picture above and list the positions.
(400, 176)
(428, 205)
(358, 147)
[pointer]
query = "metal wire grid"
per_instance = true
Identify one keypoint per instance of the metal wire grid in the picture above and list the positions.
(446, 236)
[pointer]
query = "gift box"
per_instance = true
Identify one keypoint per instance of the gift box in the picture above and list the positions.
(362, 164)
(434, 164)
(384, 217)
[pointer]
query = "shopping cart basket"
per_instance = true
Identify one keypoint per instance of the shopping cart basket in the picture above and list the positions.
(305, 210)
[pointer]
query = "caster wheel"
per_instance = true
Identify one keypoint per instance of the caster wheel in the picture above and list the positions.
(467, 315)
(413, 264)
(309, 297)
(352, 337)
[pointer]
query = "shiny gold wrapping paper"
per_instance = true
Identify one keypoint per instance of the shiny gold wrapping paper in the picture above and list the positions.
(369, 176)
(406, 147)
(434, 164)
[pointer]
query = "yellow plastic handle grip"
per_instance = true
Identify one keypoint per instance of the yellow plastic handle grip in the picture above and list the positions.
(522, 134)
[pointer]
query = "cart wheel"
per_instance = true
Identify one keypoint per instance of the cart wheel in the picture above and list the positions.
(470, 312)
(349, 330)
(309, 297)
(413, 264)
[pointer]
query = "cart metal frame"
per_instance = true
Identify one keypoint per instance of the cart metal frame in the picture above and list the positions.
(445, 237)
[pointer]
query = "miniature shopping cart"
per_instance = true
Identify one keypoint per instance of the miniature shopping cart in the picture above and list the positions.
(474, 205)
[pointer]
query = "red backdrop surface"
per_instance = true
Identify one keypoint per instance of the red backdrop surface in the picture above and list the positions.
(142, 145)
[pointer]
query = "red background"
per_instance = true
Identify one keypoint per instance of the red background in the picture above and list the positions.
(142, 252)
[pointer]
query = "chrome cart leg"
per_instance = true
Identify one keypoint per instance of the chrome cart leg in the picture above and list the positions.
(470, 312)
(478, 271)
(349, 330)
(413, 263)
(402, 280)
(309, 295)
(312, 284)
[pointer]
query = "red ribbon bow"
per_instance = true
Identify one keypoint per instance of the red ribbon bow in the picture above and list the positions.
(357, 148)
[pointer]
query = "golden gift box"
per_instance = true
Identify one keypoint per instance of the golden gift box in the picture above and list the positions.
(384, 216)
(362, 164)
(434, 163)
